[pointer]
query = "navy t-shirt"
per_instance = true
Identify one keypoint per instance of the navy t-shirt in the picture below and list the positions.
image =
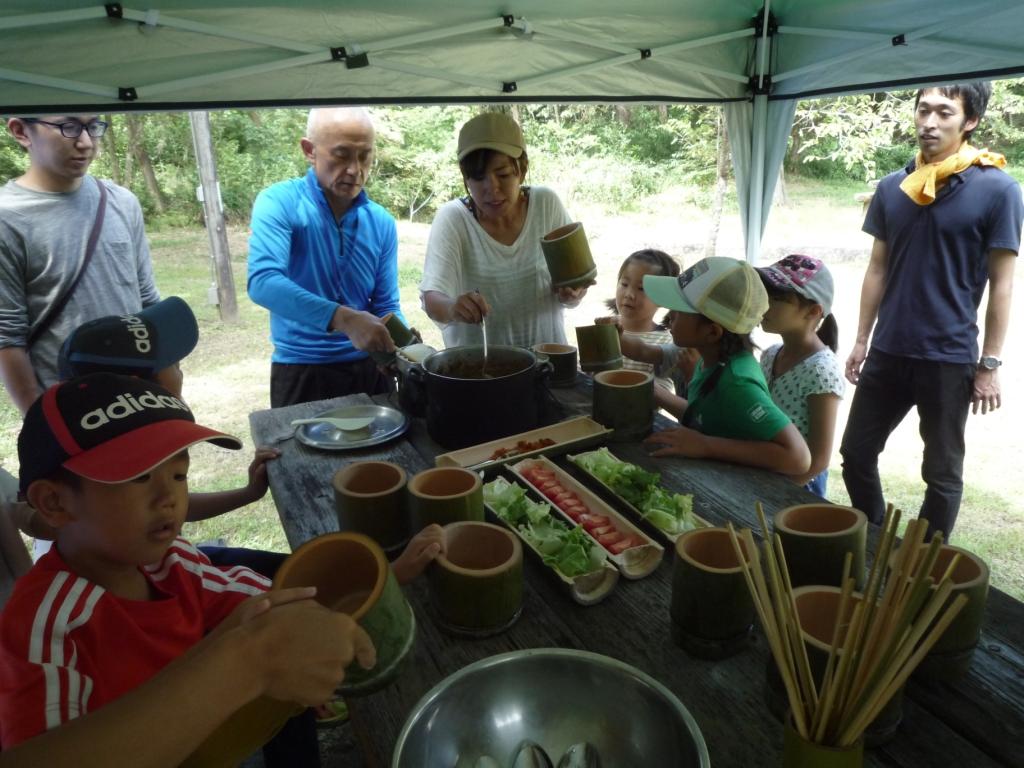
(938, 260)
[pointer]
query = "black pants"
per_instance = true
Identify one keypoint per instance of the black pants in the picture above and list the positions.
(887, 389)
(295, 383)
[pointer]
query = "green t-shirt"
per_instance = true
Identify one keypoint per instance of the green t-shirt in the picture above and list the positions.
(739, 407)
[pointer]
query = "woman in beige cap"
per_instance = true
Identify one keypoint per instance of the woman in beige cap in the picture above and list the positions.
(483, 255)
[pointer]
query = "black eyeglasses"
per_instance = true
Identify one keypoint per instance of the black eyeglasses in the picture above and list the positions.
(72, 129)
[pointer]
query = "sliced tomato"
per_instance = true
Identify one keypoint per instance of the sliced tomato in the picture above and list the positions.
(543, 475)
(599, 532)
(623, 544)
(590, 522)
(578, 506)
(608, 539)
(552, 491)
(565, 497)
(575, 514)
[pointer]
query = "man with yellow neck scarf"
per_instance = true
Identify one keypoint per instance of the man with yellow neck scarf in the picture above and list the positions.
(945, 226)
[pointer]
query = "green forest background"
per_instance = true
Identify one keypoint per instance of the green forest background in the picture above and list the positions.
(602, 154)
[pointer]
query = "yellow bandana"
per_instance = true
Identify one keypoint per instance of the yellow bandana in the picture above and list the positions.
(920, 185)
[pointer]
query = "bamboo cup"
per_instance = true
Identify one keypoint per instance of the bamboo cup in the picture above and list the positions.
(568, 257)
(624, 402)
(950, 657)
(563, 360)
(816, 538)
(599, 348)
(370, 498)
(445, 495)
(476, 586)
(712, 610)
(824, 615)
(352, 575)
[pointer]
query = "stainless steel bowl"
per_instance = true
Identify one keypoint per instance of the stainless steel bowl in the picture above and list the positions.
(555, 697)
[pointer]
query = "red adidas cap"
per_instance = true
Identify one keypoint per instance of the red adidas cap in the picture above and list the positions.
(107, 428)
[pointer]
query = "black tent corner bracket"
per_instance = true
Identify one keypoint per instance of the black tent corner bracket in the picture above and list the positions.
(899, 40)
(763, 26)
(127, 94)
(352, 60)
(114, 10)
(760, 86)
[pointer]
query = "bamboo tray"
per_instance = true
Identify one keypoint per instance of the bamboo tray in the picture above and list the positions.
(635, 513)
(579, 432)
(635, 562)
(585, 589)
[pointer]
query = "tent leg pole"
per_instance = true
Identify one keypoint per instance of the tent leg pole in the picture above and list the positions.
(756, 190)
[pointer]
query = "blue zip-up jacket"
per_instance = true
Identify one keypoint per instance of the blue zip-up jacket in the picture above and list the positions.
(303, 264)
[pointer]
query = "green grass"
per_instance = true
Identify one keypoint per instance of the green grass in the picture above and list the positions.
(985, 526)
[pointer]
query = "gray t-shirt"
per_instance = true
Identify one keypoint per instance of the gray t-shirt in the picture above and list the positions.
(42, 244)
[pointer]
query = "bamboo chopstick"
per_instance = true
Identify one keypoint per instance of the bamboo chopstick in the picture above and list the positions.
(892, 626)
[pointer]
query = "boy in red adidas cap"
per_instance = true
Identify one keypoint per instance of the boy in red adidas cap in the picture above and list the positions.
(150, 344)
(104, 461)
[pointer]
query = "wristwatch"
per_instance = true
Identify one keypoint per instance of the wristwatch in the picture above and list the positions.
(989, 363)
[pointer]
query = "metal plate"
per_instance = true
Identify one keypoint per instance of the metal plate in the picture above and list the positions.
(387, 424)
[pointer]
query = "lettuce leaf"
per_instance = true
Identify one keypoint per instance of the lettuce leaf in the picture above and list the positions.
(669, 512)
(569, 550)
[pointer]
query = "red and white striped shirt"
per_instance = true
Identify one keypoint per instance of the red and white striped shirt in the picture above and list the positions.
(67, 646)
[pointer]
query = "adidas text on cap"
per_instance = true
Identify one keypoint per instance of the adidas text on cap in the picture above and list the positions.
(145, 342)
(107, 428)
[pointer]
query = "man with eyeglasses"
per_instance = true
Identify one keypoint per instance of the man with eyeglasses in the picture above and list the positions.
(323, 258)
(46, 218)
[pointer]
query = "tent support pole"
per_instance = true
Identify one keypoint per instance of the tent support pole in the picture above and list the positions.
(756, 189)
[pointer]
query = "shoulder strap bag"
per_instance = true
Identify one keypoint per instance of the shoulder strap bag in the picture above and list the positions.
(90, 247)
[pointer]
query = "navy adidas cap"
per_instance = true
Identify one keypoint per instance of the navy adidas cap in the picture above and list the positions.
(146, 342)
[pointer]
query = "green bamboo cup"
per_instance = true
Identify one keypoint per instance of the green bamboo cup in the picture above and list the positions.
(950, 657)
(798, 752)
(400, 335)
(370, 498)
(817, 608)
(352, 575)
(624, 402)
(816, 538)
(568, 256)
(712, 611)
(476, 586)
(445, 495)
(599, 347)
(563, 363)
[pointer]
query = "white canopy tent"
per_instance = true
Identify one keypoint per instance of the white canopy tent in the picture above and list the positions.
(757, 58)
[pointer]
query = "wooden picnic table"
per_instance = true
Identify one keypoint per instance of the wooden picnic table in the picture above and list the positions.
(978, 721)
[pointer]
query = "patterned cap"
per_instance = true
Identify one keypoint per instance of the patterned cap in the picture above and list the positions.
(805, 276)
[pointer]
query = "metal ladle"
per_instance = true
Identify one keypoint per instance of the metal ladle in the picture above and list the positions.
(483, 330)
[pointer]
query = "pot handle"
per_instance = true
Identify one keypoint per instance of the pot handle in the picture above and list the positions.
(417, 374)
(543, 369)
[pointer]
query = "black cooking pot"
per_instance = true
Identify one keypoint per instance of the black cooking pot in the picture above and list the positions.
(469, 402)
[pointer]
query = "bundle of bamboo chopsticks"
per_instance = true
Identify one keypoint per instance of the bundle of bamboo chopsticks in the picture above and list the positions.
(891, 628)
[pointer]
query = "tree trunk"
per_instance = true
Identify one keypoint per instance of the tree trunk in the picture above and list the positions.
(624, 114)
(137, 147)
(109, 144)
(781, 195)
(662, 113)
(722, 167)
